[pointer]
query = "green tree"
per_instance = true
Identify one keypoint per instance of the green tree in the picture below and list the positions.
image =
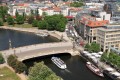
(19, 19)
(56, 22)
(52, 77)
(35, 23)
(95, 47)
(24, 16)
(30, 19)
(3, 12)
(76, 4)
(1, 22)
(41, 72)
(10, 20)
(61, 26)
(87, 46)
(1, 59)
(42, 24)
(20, 67)
(16, 13)
(44, 14)
(32, 12)
(11, 60)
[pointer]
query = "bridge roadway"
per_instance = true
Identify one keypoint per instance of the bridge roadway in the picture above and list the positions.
(36, 50)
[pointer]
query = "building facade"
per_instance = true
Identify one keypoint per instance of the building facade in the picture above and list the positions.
(109, 37)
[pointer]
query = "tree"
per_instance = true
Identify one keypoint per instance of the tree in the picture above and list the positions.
(52, 77)
(19, 19)
(20, 67)
(24, 15)
(10, 20)
(30, 19)
(35, 23)
(44, 14)
(76, 4)
(95, 47)
(61, 26)
(3, 12)
(36, 12)
(16, 13)
(42, 24)
(11, 60)
(1, 59)
(41, 72)
(1, 22)
(87, 46)
(32, 12)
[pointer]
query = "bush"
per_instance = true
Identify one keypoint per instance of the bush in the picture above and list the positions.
(1, 59)
(35, 23)
(18, 66)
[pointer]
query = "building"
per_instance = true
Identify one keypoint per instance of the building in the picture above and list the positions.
(88, 22)
(109, 36)
(100, 27)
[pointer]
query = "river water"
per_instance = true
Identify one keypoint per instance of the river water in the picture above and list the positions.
(19, 39)
(76, 68)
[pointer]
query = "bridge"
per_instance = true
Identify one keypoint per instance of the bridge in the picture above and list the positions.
(37, 50)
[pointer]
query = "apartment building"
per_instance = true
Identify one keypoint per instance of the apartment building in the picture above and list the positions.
(109, 37)
(89, 23)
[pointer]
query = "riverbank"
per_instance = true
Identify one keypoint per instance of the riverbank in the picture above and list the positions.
(56, 34)
(105, 68)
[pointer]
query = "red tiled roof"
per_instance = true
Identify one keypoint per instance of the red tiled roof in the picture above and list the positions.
(93, 23)
(69, 17)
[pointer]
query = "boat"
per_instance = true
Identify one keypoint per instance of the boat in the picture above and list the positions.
(60, 63)
(94, 69)
(42, 35)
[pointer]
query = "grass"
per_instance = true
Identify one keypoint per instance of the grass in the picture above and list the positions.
(25, 25)
(7, 74)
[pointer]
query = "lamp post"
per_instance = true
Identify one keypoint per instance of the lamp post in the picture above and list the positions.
(14, 50)
(10, 45)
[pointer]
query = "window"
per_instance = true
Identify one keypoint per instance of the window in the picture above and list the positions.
(94, 38)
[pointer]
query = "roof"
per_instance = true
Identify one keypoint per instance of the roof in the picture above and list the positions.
(92, 22)
(57, 9)
(69, 17)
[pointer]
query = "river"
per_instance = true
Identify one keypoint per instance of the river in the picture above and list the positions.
(19, 39)
(76, 68)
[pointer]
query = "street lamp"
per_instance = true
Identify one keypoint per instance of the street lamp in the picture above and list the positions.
(14, 50)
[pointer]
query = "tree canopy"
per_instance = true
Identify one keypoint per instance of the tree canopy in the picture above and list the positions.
(1, 59)
(93, 47)
(113, 59)
(76, 4)
(41, 72)
(18, 66)
(20, 19)
(55, 22)
(10, 20)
